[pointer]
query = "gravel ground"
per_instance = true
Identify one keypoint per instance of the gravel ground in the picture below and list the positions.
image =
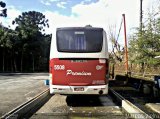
(18, 88)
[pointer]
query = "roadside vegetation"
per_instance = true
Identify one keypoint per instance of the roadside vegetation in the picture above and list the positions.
(25, 49)
(143, 47)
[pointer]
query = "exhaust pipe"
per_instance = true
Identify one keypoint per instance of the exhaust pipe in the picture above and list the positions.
(100, 92)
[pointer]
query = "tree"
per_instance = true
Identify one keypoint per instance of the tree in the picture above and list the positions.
(30, 27)
(4, 10)
(5, 43)
(144, 45)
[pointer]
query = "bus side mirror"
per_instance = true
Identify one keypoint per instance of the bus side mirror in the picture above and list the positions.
(46, 82)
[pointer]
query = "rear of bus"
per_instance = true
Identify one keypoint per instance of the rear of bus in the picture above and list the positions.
(79, 61)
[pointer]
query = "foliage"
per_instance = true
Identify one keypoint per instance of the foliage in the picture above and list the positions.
(4, 10)
(25, 49)
(145, 45)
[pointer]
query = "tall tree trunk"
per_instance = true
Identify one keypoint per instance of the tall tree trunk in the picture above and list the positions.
(12, 67)
(12, 61)
(113, 71)
(22, 62)
(7, 62)
(142, 67)
(15, 65)
(32, 62)
(3, 59)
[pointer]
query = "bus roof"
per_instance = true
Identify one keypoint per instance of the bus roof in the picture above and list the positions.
(87, 27)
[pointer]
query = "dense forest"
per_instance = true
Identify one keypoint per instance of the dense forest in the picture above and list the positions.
(25, 49)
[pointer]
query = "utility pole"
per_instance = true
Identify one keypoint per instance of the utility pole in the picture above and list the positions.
(141, 15)
(125, 39)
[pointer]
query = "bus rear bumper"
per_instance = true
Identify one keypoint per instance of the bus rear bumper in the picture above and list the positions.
(89, 90)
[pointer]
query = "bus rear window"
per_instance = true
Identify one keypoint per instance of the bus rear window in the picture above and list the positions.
(80, 41)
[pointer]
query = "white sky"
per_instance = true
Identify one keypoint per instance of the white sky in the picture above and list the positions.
(103, 13)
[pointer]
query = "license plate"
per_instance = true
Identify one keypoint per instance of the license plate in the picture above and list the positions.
(79, 89)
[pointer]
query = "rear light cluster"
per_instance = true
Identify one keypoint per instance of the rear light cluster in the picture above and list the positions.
(50, 69)
(50, 76)
(107, 71)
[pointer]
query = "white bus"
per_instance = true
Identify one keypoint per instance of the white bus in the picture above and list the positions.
(79, 61)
